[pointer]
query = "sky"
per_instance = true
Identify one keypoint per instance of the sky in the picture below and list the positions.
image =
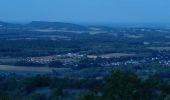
(87, 11)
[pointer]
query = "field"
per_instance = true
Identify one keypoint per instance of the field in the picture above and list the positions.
(78, 50)
(32, 70)
(116, 55)
(159, 48)
(59, 60)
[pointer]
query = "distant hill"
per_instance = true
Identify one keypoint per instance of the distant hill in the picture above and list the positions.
(44, 25)
(55, 25)
(9, 25)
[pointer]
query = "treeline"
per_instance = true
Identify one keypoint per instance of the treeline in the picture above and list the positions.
(117, 86)
(43, 46)
(12, 88)
(37, 64)
(31, 48)
(128, 86)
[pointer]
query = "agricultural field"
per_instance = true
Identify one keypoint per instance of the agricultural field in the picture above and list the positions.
(70, 49)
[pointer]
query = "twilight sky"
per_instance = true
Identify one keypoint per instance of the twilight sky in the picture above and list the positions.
(94, 11)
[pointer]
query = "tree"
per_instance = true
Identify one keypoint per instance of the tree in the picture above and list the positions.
(89, 96)
(122, 86)
(4, 95)
(56, 94)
